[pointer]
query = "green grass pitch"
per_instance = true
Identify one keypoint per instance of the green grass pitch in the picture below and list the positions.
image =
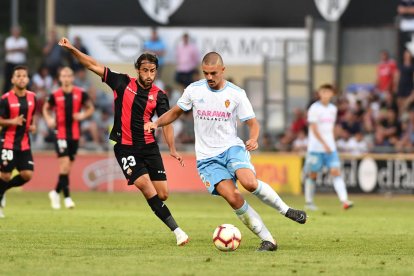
(117, 234)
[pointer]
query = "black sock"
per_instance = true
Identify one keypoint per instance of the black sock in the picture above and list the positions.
(16, 181)
(64, 182)
(3, 187)
(162, 212)
(59, 184)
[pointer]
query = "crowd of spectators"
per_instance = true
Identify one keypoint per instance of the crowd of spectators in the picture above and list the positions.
(375, 118)
(95, 130)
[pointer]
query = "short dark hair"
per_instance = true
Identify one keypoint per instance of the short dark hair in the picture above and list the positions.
(329, 87)
(20, 67)
(150, 57)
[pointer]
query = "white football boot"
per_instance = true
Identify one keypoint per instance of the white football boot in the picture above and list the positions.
(69, 203)
(181, 236)
(54, 200)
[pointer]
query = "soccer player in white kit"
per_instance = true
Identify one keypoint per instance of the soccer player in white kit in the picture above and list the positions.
(222, 157)
(322, 148)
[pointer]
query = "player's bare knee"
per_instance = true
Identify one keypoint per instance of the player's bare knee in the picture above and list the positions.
(5, 176)
(163, 195)
(313, 175)
(250, 184)
(26, 175)
(335, 172)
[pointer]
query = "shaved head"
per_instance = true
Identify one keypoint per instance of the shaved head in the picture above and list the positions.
(212, 59)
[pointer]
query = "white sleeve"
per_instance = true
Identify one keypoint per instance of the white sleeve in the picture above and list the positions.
(312, 115)
(185, 102)
(244, 110)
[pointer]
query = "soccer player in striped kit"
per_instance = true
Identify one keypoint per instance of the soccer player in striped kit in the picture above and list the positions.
(17, 109)
(136, 100)
(71, 105)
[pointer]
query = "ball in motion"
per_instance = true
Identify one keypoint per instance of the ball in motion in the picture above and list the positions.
(226, 237)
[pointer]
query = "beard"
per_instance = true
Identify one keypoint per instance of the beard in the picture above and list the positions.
(146, 83)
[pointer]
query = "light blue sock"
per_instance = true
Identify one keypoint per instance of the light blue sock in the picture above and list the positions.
(269, 196)
(254, 222)
(309, 190)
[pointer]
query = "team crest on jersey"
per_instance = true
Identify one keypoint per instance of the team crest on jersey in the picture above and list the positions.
(227, 103)
(160, 10)
(151, 98)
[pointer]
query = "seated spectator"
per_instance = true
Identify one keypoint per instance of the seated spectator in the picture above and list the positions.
(300, 144)
(350, 123)
(284, 141)
(267, 143)
(187, 136)
(357, 144)
(343, 137)
(407, 139)
(299, 121)
(388, 130)
(42, 84)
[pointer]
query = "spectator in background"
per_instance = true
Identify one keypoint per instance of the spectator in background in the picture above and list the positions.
(42, 82)
(405, 11)
(187, 59)
(357, 144)
(74, 63)
(299, 121)
(53, 54)
(351, 123)
(156, 46)
(15, 48)
(300, 144)
(386, 70)
(404, 80)
(407, 139)
(388, 130)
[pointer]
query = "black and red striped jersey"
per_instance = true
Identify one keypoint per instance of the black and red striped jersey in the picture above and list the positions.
(64, 106)
(12, 106)
(134, 106)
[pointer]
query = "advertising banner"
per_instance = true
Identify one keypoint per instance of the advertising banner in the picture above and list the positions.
(238, 46)
(101, 172)
(374, 174)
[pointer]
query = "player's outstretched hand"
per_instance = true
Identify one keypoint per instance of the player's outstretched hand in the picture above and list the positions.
(178, 157)
(150, 127)
(251, 145)
(65, 43)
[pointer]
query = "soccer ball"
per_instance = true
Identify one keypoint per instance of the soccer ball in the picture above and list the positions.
(226, 237)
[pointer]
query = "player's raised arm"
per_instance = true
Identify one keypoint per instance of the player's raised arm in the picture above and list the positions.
(84, 59)
(254, 129)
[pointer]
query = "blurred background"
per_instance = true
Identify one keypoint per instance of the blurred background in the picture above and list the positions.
(278, 51)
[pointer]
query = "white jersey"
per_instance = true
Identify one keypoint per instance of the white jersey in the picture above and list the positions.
(215, 115)
(324, 117)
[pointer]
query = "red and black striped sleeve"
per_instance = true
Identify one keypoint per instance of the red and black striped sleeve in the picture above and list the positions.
(115, 80)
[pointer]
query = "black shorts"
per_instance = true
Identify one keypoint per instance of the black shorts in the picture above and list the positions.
(65, 147)
(135, 162)
(21, 160)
